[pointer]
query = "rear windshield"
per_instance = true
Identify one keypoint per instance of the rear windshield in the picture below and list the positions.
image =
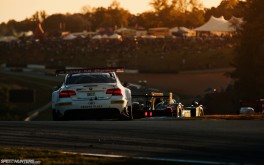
(86, 78)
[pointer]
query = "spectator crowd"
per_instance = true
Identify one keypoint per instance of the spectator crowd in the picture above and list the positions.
(130, 52)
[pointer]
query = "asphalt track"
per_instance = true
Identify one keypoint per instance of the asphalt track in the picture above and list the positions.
(172, 139)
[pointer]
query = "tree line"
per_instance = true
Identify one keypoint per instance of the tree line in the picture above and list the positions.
(249, 60)
(165, 13)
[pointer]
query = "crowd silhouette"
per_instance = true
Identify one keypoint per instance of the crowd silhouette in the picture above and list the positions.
(59, 52)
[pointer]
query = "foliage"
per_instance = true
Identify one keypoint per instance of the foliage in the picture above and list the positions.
(221, 103)
(44, 156)
(227, 8)
(39, 16)
(188, 13)
(19, 110)
(113, 16)
(249, 61)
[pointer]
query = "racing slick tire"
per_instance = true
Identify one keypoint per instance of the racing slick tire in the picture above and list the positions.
(130, 113)
(55, 116)
(179, 111)
(127, 114)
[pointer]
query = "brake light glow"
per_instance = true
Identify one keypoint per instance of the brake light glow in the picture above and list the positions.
(114, 92)
(64, 94)
(170, 108)
(146, 114)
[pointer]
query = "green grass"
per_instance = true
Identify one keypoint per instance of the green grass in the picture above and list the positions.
(44, 116)
(256, 116)
(47, 157)
(20, 110)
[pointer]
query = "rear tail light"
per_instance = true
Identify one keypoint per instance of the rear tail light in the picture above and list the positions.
(114, 92)
(64, 94)
(146, 114)
(170, 109)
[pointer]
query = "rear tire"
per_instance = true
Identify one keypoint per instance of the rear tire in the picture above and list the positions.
(54, 115)
(130, 113)
(127, 114)
(179, 112)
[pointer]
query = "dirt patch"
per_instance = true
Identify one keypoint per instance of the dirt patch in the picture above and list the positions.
(190, 84)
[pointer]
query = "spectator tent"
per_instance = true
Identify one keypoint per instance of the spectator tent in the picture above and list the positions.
(216, 26)
(69, 37)
(8, 38)
(115, 36)
(126, 32)
(181, 31)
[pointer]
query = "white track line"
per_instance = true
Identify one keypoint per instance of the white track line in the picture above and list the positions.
(36, 112)
(154, 158)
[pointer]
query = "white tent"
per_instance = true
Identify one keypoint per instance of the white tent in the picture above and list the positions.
(105, 36)
(148, 37)
(120, 30)
(115, 36)
(126, 32)
(180, 29)
(97, 37)
(69, 37)
(216, 25)
(8, 38)
(26, 34)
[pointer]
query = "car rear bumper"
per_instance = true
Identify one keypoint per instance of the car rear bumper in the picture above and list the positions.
(90, 106)
(106, 113)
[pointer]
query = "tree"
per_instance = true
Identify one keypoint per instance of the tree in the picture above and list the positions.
(76, 23)
(114, 16)
(186, 5)
(117, 15)
(194, 18)
(176, 13)
(39, 16)
(99, 17)
(54, 24)
(226, 8)
(11, 27)
(159, 5)
(249, 61)
(147, 20)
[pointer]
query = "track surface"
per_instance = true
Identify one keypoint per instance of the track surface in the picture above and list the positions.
(228, 141)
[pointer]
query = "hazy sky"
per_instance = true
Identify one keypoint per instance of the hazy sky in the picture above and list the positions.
(21, 9)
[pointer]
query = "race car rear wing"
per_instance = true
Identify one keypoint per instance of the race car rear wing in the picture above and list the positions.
(154, 95)
(89, 70)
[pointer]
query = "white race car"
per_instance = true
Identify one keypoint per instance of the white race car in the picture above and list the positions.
(91, 93)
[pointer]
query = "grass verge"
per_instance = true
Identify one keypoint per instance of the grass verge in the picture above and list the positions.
(58, 157)
(20, 110)
(256, 116)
